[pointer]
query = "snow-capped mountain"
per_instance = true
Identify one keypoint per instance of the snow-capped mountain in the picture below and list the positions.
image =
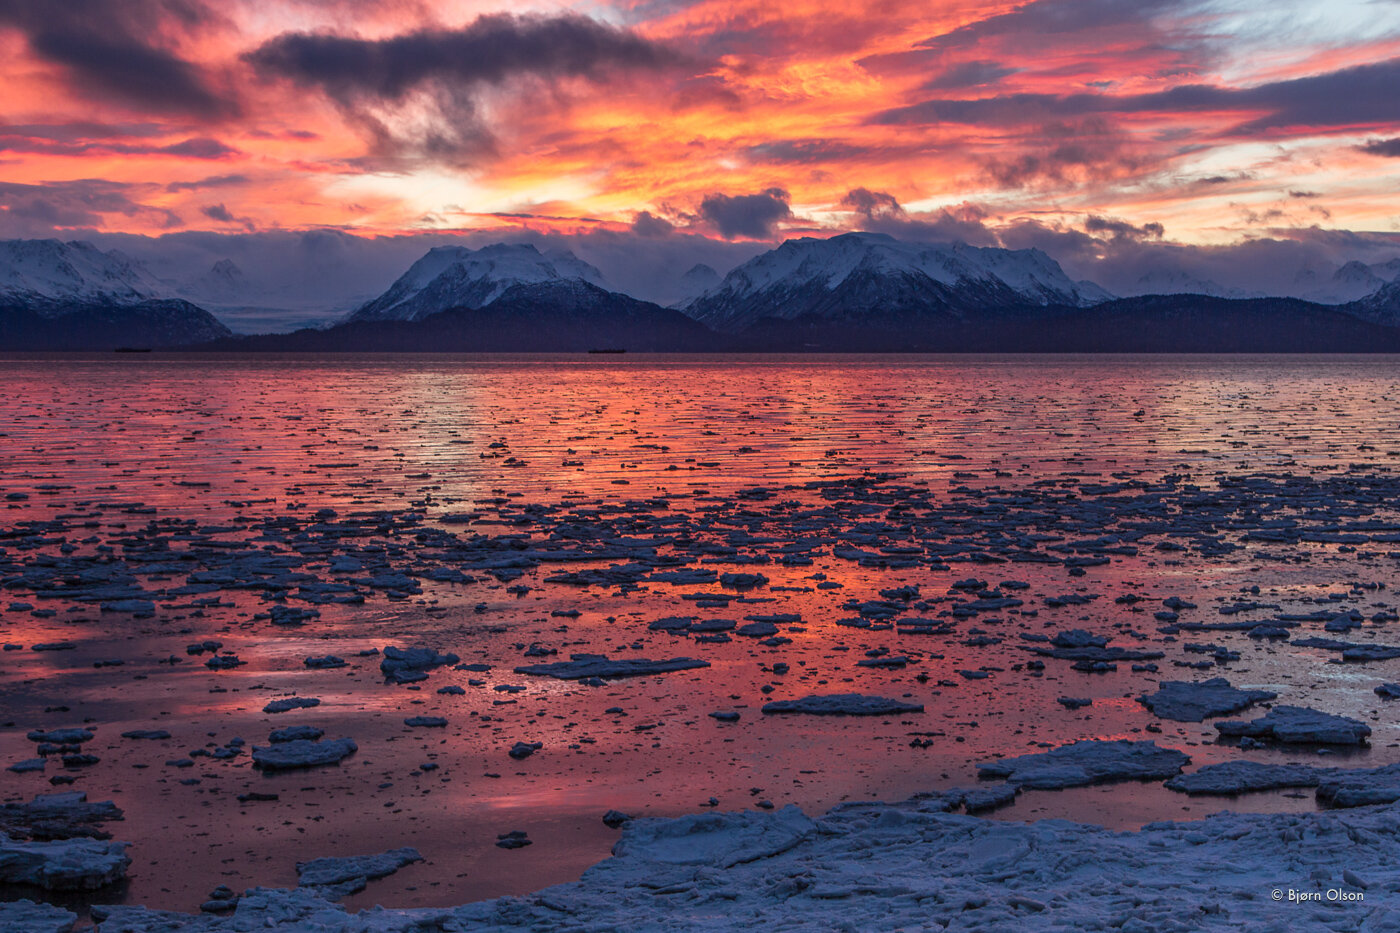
(458, 277)
(561, 315)
(1176, 282)
(47, 276)
(221, 283)
(697, 280)
(1092, 293)
(1352, 282)
(1381, 306)
(73, 296)
(858, 275)
(251, 304)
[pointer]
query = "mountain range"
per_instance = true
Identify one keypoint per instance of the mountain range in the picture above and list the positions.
(457, 277)
(865, 275)
(73, 296)
(856, 291)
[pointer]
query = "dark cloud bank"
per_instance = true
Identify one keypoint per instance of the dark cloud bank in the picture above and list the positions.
(447, 70)
(121, 50)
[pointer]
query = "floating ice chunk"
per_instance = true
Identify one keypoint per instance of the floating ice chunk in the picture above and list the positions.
(60, 736)
(405, 665)
(1078, 638)
(25, 916)
(324, 662)
(335, 871)
(1088, 762)
(62, 864)
(720, 840)
(137, 607)
(1185, 701)
(302, 753)
(1299, 725)
(583, 666)
(286, 704)
(843, 704)
(293, 733)
(1361, 787)
(1238, 777)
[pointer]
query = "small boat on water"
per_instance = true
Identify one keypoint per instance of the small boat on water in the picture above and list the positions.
(132, 350)
(608, 350)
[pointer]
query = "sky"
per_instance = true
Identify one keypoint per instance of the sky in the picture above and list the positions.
(1253, 144)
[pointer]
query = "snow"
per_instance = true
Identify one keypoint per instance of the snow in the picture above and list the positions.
(46, 271)
(1352, 281)
(843, 704)
(223, 283)
(811, 262)
(1088, 762)
(1176, 282)
(910, 865)
(698, 279)
(456, 276)
(1185, 701)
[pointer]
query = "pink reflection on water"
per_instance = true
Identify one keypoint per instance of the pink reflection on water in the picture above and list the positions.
(219, 440)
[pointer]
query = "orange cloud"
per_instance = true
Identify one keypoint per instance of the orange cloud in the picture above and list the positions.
(367, 116)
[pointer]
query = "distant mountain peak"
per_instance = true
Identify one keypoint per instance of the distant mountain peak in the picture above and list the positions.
(460, 277)
(1352, 281)
(1177, 282)
(699, 273)
(221, 284)
(697, 280)
(226, 269)
(855, 275)
(1381, 306)
(49, 273)
(226, 274)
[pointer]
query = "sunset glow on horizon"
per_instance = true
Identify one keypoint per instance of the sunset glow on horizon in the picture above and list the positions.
(1197, 122)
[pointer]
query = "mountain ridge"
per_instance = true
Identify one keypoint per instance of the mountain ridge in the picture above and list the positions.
(45, 274)
(562, 316)
(449, 277)
(852, 291)
(868, 274)
(57, 295)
